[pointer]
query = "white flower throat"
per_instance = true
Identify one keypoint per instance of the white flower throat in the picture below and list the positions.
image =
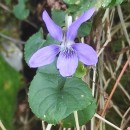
(66, 45)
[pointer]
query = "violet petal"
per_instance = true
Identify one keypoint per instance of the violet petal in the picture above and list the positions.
(67, 63)
(86, 53)
(72, 30)
(44, 56)
(54, 30)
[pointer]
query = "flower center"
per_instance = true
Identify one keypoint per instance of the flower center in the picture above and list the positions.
(66, 44)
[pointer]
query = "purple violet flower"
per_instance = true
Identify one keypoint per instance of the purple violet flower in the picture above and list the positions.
(69, 51)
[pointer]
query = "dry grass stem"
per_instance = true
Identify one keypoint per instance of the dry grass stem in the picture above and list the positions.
(109, 123)
(43, 125)
(49, 127)
(123, 23)
(114, 87)
(76, 120)
(2, 126)
(124, 118)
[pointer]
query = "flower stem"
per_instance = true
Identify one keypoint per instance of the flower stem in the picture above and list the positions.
(76, 120)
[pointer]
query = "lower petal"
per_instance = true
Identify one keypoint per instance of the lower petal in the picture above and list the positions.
(86, 53)
(67, 63)
(44, 56)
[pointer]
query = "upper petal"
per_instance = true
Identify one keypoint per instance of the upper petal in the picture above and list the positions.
(54, 30)
(67, 63)
(72, 31)
(44, 56)
(86, 53)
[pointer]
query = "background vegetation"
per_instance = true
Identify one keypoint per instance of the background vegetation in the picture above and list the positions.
(108, 33)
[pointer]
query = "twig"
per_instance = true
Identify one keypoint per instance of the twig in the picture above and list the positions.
(2, 126)
(31, 23)
(49, 127)
(26, 20)
(109, 123)
(76, 120)
(11, 39)
(4, 7)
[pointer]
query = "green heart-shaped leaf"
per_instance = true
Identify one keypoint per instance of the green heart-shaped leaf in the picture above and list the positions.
(49, 69)
(83, 116)
(20, 10)
(34, 43)
(71, 1)
(59, 17)
(53, 98)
